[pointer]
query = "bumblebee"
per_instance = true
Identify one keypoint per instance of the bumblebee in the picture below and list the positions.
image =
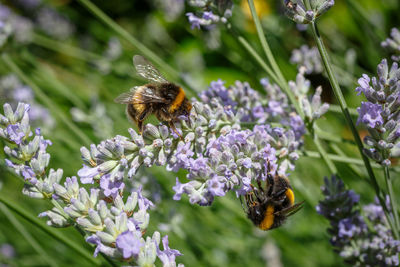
(160, 97)
(268, 207)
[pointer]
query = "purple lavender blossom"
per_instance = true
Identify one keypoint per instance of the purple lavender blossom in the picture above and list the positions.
(110, 188)
(54, 24)
(116, 227)
(308, 58)
(209, 12)
(15, 133)
(370, 114)
(392, 44)
(193, 20)
(352, 239)
(129, 244)
(7, 251)
(167, 256)
(380, 113)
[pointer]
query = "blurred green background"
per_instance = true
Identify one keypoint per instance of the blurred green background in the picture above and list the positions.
(77, 71)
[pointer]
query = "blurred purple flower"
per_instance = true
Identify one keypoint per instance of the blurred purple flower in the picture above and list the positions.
(167, 255)
(110, 188)
(129, 244)
(15, 133)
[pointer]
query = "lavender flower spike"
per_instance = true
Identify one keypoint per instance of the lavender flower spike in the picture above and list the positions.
(353, 240)
(297, 11)
(380, 114)
(393, 44)
(211, 12)
(116, 226)
(308, 58)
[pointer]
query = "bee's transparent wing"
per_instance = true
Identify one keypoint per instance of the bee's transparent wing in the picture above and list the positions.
(126, 98)
(291, 210)
(146, 96)
(145, 69)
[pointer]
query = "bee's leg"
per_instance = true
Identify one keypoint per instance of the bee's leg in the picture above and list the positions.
(252, 198)
(189, 121)
(140, 126)
(256, 193)
(172, 125)
(260, 185)
(270, 184)
(142, 116)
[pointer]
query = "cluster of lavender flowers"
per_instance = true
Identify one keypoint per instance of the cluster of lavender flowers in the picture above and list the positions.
(53, 23)
(220, 148)
(39, 15)
(14, 26)
(312, 107)
(14, 91)
(298, 12)
(116, 225)
(7, 254)
(308, 58)
(352, 238)
(218, 153)
(393, 44)
(380, 114)
(211, 12)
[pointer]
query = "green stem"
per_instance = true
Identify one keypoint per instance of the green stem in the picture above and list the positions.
(271, 59)
(324, 155)
(337, 109)
(259, 60)
(264, 43)
(65, 49)
(28, 237)
(50, 231)
(46, 100)
(340, 158)
(343, 105)
(332, 137)
(393, 203)
(354, 168)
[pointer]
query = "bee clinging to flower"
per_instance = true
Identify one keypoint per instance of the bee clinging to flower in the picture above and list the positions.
(160, 97)
(268, 207)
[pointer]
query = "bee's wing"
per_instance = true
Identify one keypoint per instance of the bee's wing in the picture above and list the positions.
(146, 96)
(291, 210)
(126, 98)
(145, 69)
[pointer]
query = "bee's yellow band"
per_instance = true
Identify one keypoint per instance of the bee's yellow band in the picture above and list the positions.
(268, 218)
(290, 195)
(178, 101)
